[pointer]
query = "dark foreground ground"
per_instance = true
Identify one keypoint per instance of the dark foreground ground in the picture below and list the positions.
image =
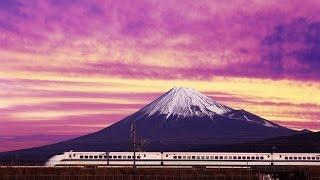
(42, 173)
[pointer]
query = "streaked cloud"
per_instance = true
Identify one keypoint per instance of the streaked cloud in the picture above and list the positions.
(79, 63)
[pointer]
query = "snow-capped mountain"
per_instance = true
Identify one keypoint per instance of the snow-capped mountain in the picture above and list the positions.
(178, 120)
(184, 115)
(187, 103)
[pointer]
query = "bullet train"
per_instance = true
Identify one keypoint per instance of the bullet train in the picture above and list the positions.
(182, 159)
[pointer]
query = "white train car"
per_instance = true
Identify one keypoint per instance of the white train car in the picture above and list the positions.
(215, 159)
(296, 159)
(183, 159)
(142, 158)
(105, 159)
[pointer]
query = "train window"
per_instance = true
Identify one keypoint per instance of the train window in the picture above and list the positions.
(100, 157)
(174, 157)
(183, 157)
(179, 157)
(110, 157)
(317, 158)
(279, 156)
(261, 157)
(252, 157)
(188, 157)
(299, 157)
(211, 157)
(226, 157)
(216, 157)
(303, 157)
(308, 158)
(294, 157)
(248, 157)
(86, 157)
(202, 157)
(138, 157)
(221, 157)
(313, 158)
(234, 157)
(243, 157)
(129, 157)
(124, 157)
(74, 155)
(167, 155)
(290, 157)
(119, 157)
(114, 157)
(230, 157)
(81, 157)
(239, 157)
(105, 157)
(70, 156)
(90, 157)
(95, 157)
(198, 157)
(193, 157)
(285, 157)
(207, 157)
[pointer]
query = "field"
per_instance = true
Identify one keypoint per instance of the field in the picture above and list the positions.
(68, 173)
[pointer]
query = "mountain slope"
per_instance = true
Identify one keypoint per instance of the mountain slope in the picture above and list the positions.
(251, 118)
(177, 120)
(184, 102)
(304, 142)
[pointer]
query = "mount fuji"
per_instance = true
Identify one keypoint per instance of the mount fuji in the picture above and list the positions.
(178, 120)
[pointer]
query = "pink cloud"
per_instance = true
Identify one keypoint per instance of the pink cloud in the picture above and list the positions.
(165, 40)
(46, 28)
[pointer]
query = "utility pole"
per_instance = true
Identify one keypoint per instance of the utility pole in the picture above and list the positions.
(273, 149)
(133, 141)
(272, 154)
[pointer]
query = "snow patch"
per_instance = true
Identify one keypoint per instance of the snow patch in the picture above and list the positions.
(247, 118)
(185, 102)
(267, 124)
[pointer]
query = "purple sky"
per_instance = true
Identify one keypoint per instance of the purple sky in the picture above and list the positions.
(70, 67)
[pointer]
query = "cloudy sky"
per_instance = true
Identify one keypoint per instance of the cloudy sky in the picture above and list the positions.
(70, 67)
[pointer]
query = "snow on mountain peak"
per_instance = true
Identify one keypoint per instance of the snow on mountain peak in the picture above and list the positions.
(185, 102)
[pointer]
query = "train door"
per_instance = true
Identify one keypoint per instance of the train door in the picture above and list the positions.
(107, 154)
(161, 158)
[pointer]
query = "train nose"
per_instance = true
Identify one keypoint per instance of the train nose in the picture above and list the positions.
(49, 164)
(53, 161)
